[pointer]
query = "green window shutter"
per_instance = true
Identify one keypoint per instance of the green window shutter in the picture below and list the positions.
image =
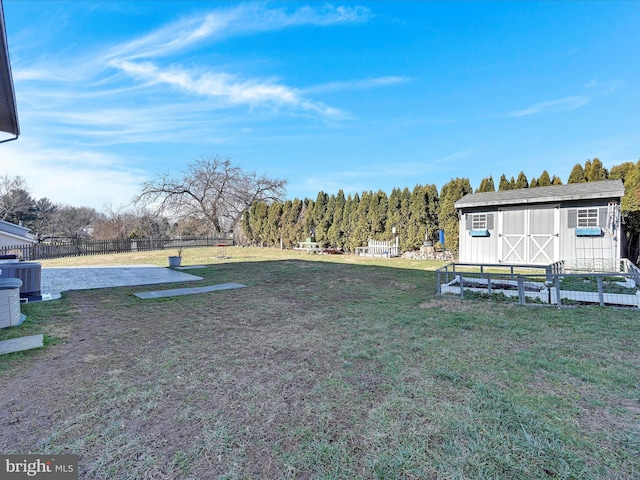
(572, 218)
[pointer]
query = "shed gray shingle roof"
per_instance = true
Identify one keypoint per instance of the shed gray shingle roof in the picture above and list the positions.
(555, 193)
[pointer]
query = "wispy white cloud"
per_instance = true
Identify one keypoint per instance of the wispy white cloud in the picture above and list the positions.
(69, 94)
(226, 87)
(567, 103)
(241, 20)
(357, 84)
(135, 58)
(572, 102)
(604, 88)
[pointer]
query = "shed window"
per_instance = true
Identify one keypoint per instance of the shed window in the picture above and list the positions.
(479, 221)
(587, 217)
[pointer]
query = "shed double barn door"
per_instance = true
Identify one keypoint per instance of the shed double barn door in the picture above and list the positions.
(529, 235)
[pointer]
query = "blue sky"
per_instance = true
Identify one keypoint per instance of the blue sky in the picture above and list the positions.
(353, 95)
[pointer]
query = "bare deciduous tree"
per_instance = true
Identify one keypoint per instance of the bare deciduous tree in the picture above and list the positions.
(129, 223)
(213, 190)
(74, 221)
(16, 203)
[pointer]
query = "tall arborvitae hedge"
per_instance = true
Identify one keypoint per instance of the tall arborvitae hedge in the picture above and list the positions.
(416, 215)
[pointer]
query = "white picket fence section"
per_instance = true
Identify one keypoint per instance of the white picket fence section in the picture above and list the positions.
(379, 248)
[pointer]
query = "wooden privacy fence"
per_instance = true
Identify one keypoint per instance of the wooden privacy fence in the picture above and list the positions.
(80, 247)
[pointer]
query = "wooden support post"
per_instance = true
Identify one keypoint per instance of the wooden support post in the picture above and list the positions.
(521, 297)
(600, 290)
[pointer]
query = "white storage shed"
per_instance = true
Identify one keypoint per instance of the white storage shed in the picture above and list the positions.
(578, 223)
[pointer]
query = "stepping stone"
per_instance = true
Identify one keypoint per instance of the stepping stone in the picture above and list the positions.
(176, 292)
(20, 344)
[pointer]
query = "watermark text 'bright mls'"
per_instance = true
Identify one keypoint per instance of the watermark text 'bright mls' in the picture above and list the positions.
(58, 467)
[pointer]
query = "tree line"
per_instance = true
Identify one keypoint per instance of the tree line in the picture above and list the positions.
(213, 196)
(416, 215)
(59, 222)
(208, 198)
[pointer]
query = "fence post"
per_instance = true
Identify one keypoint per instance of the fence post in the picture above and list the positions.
(600, 290)
(461, 286)
(438, 289)
(521, 298)
(489, 283)
(547, 272)
(556, 281)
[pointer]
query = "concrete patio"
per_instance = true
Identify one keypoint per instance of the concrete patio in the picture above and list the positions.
(56, 280)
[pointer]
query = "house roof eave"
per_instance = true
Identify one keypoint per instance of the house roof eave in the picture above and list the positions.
(8, 110)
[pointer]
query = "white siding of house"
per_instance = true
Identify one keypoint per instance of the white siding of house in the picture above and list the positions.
(10, 240)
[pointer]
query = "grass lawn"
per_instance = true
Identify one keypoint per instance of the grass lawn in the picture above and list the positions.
(325, 367)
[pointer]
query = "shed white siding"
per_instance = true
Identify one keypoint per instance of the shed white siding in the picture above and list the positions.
(543, 225)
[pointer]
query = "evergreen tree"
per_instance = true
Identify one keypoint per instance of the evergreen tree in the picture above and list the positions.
(417, 221)
(327, 220)
(619, 172)
(335, 233)
(544, 180)
(595, 171)
(631, 199)
(289, 220)
(398, 214)
(394, 211)
(362, 230)
(307, 219)
(487, 185)
(273, 224)
(631, 212)
(533, 183)
(257, 221)
(450, 193)
(350, 221)
(504, 183)
(577, 174)
(245, 225)
(556, 180)
(405, 209)
(319, 215)
(377, 214)
(522, 182)
(433, 209)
